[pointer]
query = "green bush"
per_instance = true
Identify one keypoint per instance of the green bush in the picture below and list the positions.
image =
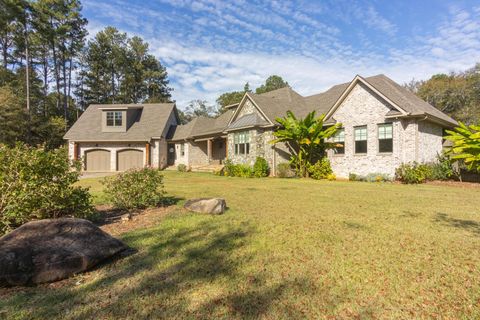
(413, 173)
(237, 170)
(182, 168)
(284, 170)
(320, 170)
(135, 188)
(442, 169)
(371, 177)
(39, 184)
(260, 168)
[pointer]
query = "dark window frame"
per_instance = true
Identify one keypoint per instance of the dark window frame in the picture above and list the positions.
(339, 138)
(361, 146)
(385, 145)
(241, 142)
(114, 118)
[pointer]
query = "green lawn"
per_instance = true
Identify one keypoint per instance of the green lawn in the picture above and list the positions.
(286, 249)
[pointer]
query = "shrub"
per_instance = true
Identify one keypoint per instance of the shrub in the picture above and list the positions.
(135, 188)
(320, 170)
(182, 168)
(284, 170)
(260, 168)
(371, 177)
(39, 184)
(237, 170)
(331, 177)
(442, 169)
(413, 173)
(421, 172)
(377, 177)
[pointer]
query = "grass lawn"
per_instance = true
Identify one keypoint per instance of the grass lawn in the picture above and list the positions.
(285, 249)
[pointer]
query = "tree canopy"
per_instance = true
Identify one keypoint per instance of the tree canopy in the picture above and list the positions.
(456, 94)
(273, 82)
(49, 73)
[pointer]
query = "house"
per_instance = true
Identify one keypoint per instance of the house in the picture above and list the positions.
(118, 137)
(382, 126)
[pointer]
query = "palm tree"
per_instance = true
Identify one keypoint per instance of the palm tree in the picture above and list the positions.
(306, 138)
(466, 145)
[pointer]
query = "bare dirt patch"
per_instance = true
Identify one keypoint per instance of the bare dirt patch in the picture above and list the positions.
(115, 223)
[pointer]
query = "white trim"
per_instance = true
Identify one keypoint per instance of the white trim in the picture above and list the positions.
(350, 88)
(240, 106)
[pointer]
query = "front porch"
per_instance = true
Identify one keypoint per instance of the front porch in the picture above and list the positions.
(215, 151)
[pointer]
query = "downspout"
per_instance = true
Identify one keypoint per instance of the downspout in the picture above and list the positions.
(417, 137)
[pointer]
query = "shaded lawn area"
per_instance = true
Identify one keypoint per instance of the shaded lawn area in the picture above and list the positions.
(286, 248)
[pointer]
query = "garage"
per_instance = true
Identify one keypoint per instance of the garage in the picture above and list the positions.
(97, 160)
(128, 159)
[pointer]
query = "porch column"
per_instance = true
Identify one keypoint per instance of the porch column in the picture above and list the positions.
(147, 154)
(209, 150)
(75, 151)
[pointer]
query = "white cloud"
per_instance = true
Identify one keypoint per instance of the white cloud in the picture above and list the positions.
(212, 46)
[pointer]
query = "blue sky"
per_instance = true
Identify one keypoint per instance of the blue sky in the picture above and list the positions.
(212, 46)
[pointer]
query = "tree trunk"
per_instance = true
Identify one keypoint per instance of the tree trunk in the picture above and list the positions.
(45, 83)
(55, 67)
(65, 98)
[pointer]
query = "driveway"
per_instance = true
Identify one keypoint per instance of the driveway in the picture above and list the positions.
(86, 175)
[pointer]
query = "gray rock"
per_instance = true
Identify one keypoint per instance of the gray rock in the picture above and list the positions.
(206, 205)
(53, 249)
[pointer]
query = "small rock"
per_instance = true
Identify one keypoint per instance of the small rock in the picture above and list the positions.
(126, 217)
(206, 205)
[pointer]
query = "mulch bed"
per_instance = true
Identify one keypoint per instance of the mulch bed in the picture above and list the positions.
(457, 184)
(111, 219)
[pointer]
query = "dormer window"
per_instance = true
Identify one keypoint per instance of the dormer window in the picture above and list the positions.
(114, 118)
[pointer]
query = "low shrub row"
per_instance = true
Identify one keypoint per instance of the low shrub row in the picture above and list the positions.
(260, 169)
(414, 173)
(321, 170)
(371, 177)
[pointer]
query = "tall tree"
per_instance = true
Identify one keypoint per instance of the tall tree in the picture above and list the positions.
(229, 98)
(273, 82)
(119, 69)
(198, 108)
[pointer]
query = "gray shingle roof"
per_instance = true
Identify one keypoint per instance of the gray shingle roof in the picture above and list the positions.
(406, 99)
(248, 120)
(151, 122)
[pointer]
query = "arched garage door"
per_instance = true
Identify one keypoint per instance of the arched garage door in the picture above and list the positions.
(128, 159)
(97, 160)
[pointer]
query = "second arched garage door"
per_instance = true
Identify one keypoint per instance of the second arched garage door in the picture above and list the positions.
(128, 159)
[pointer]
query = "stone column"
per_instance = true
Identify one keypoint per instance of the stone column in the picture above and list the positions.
(209, 150)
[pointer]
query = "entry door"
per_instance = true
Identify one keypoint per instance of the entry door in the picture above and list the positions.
(171, 154)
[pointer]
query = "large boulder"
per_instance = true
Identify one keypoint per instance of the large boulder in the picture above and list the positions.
(51, 250)
(206, 205)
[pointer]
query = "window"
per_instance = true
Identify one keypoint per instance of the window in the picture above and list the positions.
(182, 149)
(339, 140)
(114, 118)
(385, 137)
(361, 139)
(241, 141)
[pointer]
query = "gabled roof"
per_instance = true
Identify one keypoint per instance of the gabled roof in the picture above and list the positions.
(276, 103)
(406, 103)
(151, 121)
